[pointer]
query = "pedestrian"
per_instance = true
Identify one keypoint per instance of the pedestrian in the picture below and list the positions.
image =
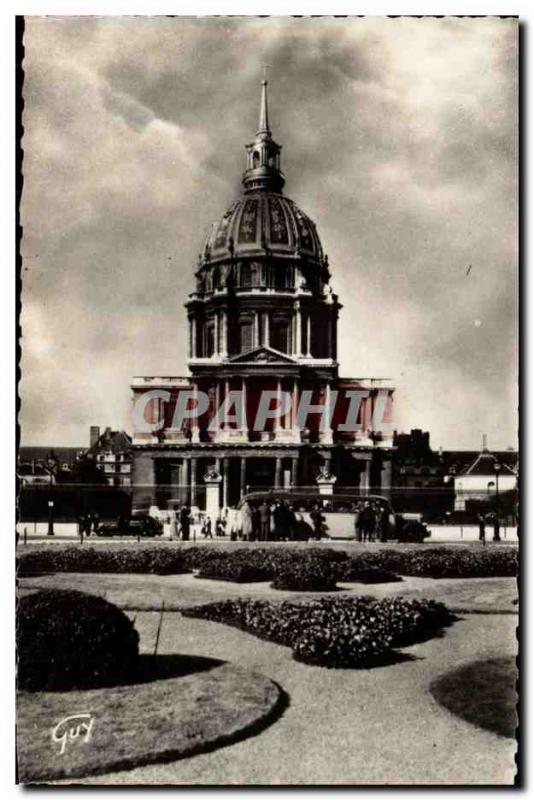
(280, 521)
(95, 521)
(482, 528)
(206, 528)
(185, 522)
(496, 528)
(87, 523)
(173, 524)
(317, 519)
(265, 521)
(383, 524)
(246, 521)
(232, 523)
(291, 523)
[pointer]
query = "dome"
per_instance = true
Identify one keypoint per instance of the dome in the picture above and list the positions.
(261, 222)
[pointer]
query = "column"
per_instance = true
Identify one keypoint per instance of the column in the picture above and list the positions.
(308, 335)
(190, 338)
(267, 329)
(385, 479)
(294, 472)
(256, 329)
(194, 338)
(193, 481)
(195, 430)
(244, 422)
(217, 396)
(225, 468)
(184, 488)
(365, 475)
(226, 394)
(216, 337)
(294, 404)
(224, 334)
(243, 474)
(279, 420)
(278, 474)
(298, 332)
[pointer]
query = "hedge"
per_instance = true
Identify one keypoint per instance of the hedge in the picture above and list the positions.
(433, 562)
(334, 631)
(156, 560)
(72, 640)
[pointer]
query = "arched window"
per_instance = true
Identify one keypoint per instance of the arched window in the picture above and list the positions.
(210, 340)
(255, 159)
(216, 278)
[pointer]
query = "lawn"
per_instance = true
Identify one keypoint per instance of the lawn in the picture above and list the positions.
(180, 706)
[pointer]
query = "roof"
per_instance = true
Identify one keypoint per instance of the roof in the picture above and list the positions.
(484, 464)
(261, 222)
(112, 441)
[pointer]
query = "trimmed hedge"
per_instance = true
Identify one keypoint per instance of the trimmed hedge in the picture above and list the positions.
(309, 573)
(72, 640)
(352, 572)
(155, 560)
(271, 562)
(334, 631)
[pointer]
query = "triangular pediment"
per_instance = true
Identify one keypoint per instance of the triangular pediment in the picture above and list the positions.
(262, 355)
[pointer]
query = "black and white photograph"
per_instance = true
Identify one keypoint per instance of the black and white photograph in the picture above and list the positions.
(267, 515)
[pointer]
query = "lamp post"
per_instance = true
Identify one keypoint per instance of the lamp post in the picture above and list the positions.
(50, 518)
(496, 530)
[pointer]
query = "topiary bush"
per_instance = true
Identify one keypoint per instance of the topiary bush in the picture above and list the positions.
(351, 571)
(72, 640)
(308, 573)
(334, 631)
(234, 568)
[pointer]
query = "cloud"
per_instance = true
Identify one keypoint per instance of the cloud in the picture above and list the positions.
(399, 139)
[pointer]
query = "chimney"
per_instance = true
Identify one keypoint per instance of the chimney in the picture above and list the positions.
(484, 443)
(94, 435)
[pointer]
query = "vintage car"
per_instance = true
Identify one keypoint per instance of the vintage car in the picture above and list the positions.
(141, 525)
(338, 514)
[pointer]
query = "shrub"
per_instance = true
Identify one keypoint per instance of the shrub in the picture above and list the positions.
(68, 639)
(352, 571)
(334, 631)
(306, 574)
(156, 560)
(233, 568)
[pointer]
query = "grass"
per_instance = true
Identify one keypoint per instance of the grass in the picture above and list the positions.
(483, 693)
(180, 706)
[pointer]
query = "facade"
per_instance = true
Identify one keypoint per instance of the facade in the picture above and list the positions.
(482, 479)
(262, 319)
(111, 452)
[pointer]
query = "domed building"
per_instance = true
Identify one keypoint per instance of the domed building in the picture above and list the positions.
(262, 337)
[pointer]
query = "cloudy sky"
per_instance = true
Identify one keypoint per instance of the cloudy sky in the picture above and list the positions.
(399, 140)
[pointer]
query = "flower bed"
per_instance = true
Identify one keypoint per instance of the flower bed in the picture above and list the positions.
(155, 560)
(353, 572)
(309, 573)
(233, 568)
(334, 631)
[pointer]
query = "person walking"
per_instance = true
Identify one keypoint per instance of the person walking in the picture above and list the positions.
(279, 519)
(87, 524)
(185, 522)
(265, 521)
(246, 521)
(496, 528)
(95, 522)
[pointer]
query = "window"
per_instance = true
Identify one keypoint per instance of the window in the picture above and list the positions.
(255, 159)
(279, 336)
(246, 276)
(210, 340)
(245, 337)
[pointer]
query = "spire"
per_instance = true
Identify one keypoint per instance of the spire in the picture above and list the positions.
(263, 155)
(264, 110)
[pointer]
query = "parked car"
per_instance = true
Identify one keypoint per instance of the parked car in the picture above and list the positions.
(139, 525)
(411, 528)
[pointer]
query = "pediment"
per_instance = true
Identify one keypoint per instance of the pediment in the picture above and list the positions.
(262, 355)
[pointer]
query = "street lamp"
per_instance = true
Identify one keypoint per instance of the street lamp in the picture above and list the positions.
(50, 518)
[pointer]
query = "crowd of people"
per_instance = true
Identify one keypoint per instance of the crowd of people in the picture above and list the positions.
(371, 522)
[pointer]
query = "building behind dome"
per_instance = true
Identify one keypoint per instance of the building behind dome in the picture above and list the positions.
(263, 318)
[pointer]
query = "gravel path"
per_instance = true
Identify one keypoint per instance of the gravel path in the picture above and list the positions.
(378, 726)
